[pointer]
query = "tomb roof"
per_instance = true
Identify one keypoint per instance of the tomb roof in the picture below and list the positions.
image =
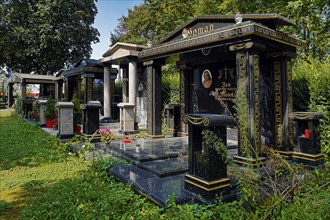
(32, 78)
(270, 20)
(119, 52)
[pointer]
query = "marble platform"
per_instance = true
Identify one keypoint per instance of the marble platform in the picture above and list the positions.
(157, 170)
(153, 187)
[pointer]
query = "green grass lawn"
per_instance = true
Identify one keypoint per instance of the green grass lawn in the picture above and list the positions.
(39, 179)
(29, 157)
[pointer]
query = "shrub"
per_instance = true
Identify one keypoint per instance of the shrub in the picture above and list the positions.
(77, 112)
(311, 86)
(50, 110)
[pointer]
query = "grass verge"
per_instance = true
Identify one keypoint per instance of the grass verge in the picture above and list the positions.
(40, 180)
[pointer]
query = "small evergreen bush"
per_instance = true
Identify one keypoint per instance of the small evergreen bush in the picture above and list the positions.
(77, 112)
(50, 110)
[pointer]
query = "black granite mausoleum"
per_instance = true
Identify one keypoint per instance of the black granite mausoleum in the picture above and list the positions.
(216, 54)
(220, 55)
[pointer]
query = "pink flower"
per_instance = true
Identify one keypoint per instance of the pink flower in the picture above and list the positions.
(105, 131)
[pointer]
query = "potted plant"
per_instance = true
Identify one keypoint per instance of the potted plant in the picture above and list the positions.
(77, 114)
(50, 112)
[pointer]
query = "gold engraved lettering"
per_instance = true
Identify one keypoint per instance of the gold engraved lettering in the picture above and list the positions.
(182, 95)
(200, 30)
(290, 104)
(256, 72)
(150, 100)
(278, 103)
(89, 89)
(94, 69)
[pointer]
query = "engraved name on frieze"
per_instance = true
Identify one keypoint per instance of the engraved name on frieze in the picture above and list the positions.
(94, 69)
(200, 30)
(196, 41)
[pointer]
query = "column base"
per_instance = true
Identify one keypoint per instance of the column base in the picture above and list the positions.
(183, 134)
(125, 132)
(64, 136)
(252, 162)
(285, 154)
(91, 137)
(172, 132)
(154, 136)
(313, 160)
(207, 189)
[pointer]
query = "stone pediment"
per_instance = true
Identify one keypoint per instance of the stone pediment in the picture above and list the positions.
(204, 24)
(120, 52)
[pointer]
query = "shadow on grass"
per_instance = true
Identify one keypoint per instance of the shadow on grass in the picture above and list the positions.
(23, 144)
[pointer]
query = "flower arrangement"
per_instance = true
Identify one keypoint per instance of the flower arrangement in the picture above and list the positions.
(106, 135)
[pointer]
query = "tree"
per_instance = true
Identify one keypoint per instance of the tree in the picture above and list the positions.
(313, 26)
(156, 18)
(153, 20)
(44, 36)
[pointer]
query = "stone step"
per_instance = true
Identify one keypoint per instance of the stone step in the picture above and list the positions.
(155, 188)
(166, 167)
(150, 150)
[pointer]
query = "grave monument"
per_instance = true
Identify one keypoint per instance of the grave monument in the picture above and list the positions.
(230, 65)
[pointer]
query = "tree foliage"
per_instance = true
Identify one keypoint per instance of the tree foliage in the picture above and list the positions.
(45, 35)
(154, 19)
(312, 79)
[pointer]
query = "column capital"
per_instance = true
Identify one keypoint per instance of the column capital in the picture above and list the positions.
(153, 63)
(281, 54)
(183, 66)
(247, 45)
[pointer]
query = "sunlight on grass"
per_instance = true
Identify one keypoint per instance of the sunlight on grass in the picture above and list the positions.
(24, 144)
(29, 158)
(48, 173)
(6, 112)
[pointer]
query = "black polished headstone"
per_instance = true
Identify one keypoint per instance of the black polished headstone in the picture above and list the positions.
(173, 119)
(91, 117)
(307, 146)
(207, 171)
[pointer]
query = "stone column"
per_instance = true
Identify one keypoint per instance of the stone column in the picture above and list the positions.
(56, 91)
(184, 96)
(125, 86)
(23, 91)
(65, 119)
(107, 92)
(88, 90)
(42, 106)
(248, 71)
(154, 85)
(281, 68)
(69, 86)
(10, 94)
(132, 72)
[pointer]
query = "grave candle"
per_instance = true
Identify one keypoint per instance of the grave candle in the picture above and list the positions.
(306, 133)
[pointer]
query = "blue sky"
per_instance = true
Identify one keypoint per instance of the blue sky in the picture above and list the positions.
(106, 20)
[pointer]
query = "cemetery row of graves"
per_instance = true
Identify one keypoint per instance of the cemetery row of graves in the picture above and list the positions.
(233, 76)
